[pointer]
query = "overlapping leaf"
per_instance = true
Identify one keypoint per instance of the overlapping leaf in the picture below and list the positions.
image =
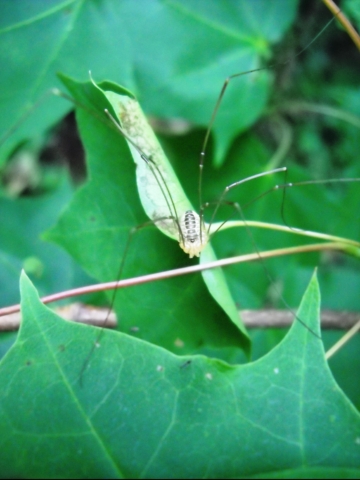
(118, 40)
(141, 411)
(95, 231)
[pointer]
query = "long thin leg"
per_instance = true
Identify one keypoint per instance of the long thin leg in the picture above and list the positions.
(131, 234)
(218, 103)
(240, 182)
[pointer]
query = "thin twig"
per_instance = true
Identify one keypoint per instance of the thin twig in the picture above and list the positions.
(272, 318)
(262, 318)
(345, 22)
(343, 340)
(75, 312)
(335, 246)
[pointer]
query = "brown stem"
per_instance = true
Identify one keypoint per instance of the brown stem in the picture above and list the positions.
(264, 318)
(335, 10)
(271, 318)
(337, 246)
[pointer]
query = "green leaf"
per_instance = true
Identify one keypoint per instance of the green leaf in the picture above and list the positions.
(196, 45)
(161, 194)
(141, 411)
(22, 222)
(95, 232)
(160, 191)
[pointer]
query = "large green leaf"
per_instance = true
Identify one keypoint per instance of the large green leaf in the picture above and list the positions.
(95, 232)
(141, 411)
(195, 46)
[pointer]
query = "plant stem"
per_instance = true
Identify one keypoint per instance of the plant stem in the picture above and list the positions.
(338, 246)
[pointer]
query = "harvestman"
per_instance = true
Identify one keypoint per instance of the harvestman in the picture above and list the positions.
(193, 234)
(185, 225)
(191, 231)
(188, 226)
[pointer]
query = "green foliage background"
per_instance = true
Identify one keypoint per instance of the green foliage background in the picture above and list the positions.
(175, 57)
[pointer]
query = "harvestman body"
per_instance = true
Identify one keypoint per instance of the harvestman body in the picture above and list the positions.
(193, 238)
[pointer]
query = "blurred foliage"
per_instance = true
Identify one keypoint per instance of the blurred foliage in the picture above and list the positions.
(303, 112)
